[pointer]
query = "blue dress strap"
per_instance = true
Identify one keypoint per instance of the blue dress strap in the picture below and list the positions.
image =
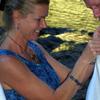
(11, 53)
(34, 48)
(6, 52)
(45, 65)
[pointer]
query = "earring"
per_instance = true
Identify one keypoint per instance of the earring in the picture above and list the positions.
(17, 28)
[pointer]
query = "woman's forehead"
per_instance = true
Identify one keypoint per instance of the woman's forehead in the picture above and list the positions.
(41, 9)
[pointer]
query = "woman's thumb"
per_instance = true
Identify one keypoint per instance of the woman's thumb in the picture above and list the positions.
(97, 33)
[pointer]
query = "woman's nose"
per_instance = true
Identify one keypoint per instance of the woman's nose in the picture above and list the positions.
(43, 23)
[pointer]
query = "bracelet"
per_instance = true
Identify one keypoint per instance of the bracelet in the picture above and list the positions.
(75, 80)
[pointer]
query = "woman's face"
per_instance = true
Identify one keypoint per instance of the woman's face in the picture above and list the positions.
(31, 25)
(94, 5)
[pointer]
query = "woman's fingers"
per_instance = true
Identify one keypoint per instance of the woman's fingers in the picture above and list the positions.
(97, 33)
(95, 46)
(91, 47)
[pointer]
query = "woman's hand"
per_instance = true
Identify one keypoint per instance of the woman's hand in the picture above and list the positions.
(94, 44)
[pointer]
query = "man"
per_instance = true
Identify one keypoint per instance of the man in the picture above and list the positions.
(94, 5)
(93, 92)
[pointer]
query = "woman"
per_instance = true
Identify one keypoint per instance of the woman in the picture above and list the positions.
(27, 71)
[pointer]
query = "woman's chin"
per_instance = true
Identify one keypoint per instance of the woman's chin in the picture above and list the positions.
(34, 38)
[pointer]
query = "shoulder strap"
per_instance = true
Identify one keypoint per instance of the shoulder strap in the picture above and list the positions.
(11, 53)
(7, 52)
(17, 56)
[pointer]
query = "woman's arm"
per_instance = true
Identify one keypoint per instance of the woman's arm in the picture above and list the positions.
(60, 69)
(19, 77)
(81, 71)
(16, 75)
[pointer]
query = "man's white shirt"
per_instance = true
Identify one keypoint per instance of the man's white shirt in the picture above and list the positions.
(93, 91)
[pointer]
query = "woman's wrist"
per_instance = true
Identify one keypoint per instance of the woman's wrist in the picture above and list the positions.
(83, 69)
(87, 56)
(73, 78)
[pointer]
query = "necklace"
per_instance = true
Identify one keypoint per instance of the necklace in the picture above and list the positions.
(23, 49)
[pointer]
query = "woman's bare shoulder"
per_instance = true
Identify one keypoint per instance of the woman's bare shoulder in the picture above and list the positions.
(6, 60)
(18, 76)
(10, 66)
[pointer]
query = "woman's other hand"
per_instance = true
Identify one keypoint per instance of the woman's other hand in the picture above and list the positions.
(94, 44)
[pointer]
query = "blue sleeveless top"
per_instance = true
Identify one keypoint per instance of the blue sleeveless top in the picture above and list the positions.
(43, 70)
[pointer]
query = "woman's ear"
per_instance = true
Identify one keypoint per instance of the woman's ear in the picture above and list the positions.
(16, 16)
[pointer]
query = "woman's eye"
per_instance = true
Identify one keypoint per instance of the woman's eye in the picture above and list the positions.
(38, 19)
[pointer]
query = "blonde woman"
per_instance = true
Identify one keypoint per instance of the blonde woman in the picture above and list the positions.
(27, 71)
